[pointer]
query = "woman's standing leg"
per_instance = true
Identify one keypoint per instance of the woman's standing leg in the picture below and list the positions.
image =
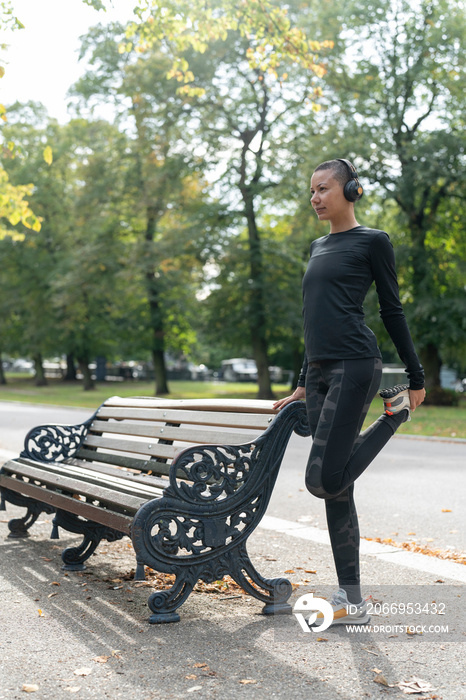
(343, 528)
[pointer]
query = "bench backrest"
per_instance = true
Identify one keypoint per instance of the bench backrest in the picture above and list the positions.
(145, 434)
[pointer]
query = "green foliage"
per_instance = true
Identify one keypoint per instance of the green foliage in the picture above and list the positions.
(180, 27)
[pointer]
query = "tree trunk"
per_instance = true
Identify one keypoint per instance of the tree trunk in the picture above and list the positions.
(70, 374)
(257, 320)
(39, 379)
(88, 382)
(156, 316)
(160, 371)
(431, 361)
(2, 373)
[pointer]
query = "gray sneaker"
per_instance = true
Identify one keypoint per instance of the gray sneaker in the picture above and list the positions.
(344, 612)
(396, 399)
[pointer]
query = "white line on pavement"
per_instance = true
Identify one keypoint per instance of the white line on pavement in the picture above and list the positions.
(384, 552)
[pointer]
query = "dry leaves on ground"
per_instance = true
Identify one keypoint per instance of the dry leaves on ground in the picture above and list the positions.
(415, 685)
(161, 581)
(413, 547)
(30, 687)
(82, 671)
(101, 659)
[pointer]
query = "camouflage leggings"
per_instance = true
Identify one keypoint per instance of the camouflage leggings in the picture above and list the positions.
(338, 396)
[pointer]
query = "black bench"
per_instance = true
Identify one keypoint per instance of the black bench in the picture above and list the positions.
(188, 481)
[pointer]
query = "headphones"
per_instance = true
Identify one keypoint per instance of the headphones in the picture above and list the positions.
(353, 189)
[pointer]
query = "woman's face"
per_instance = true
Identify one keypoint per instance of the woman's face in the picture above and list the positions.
(327, 196)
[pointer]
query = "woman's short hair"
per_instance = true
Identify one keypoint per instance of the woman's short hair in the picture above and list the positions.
(340, 170)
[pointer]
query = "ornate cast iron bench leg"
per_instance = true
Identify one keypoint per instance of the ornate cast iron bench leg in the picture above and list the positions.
(74, 557)
(19, 527)
(274, 592)
(165, 603)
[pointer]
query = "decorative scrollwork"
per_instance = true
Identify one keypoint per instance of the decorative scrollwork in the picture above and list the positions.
(165, 537)
(54, 443)
(213, 472)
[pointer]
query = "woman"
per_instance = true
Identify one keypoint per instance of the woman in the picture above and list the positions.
(342, 366)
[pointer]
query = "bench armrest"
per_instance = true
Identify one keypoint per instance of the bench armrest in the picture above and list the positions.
(214, 473)
(54, 443)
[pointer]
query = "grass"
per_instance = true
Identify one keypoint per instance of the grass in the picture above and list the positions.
(441, 421)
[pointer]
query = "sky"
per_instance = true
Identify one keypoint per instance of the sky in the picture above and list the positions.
(41, 61)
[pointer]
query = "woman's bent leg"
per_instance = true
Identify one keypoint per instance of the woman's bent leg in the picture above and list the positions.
(339, 454)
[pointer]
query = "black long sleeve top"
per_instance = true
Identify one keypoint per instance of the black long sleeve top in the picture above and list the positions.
(342, 267)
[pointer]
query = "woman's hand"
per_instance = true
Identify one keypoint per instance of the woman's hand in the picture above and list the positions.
(298, 394)
(416, 397)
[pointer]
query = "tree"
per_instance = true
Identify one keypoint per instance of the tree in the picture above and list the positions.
(64, 276)
(395, 102)
(242, 108)
(167, 189)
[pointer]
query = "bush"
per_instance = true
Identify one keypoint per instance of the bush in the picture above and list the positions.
(441, 397)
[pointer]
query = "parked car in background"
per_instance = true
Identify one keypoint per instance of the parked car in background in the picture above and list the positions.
(239, 369)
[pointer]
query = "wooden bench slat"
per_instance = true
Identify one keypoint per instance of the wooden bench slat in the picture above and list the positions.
(105, 476)
(228, 405)
(118, 521)
(123, 473)
(148, 447)
(249, 421)
(167, 432)
(75, 486)
(143, 465)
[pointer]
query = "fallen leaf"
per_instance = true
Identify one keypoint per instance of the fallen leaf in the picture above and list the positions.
(289, 571)
(415, 685)
(376, 670)
(30, 688)
(41, 614)
(200, 665)
(380, 678)
(309, 571)
(411, 533)
(194, 688)
(82, 671)
(247, 681)
(54, 583)
(191, 677)
(446, 510)
(321, 639)
(100, 659)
